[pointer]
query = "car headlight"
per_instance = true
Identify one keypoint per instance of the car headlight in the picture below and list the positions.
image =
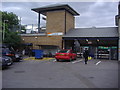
(6, 59)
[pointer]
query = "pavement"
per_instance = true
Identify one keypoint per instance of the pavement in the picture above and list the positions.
(49, 73)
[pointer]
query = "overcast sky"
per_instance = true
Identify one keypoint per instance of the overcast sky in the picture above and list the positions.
(98, 14)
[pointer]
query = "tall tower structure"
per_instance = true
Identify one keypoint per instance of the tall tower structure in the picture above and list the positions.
(59, 19)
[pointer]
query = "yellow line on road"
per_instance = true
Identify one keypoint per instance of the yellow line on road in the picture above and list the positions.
(33, 58)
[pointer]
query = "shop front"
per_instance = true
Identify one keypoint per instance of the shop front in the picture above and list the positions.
(107, 52)
(97, 51)
(102, 43)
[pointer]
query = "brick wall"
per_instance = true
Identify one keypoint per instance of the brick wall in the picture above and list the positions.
(69, 21)
(55, 23)
(43, 40)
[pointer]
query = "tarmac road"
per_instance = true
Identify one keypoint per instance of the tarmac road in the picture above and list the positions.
(52, 74)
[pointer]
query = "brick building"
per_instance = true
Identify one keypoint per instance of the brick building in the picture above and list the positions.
(59, 20)
(61, 33)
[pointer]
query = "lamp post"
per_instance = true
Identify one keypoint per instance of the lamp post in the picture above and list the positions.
(4, 29)
(20, 24)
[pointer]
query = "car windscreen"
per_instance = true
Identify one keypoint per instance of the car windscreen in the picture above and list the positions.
(64, 51)
(5, 50)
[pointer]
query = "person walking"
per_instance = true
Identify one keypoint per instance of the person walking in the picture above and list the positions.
(23, 52)
(85, 55)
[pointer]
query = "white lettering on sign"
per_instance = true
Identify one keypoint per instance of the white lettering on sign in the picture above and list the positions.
(55, 34)
(89, 42)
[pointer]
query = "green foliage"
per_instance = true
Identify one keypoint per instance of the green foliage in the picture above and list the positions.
(13, 39)
(23, 28)
(12, 20)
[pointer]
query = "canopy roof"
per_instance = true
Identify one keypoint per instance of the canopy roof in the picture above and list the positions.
(93, 32)
(55, 7)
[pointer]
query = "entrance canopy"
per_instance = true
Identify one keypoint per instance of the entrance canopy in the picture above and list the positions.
(95, 36)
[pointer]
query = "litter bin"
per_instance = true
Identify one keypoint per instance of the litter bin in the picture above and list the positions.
(38, 53)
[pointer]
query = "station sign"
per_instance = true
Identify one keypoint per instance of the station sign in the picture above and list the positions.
(55, 34)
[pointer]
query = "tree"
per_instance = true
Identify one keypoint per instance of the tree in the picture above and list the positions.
(12, 20)
(11, 37)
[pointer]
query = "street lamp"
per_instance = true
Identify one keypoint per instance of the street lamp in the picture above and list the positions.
(4, 29)
(20, 24)
(87, 40)
(98, 40)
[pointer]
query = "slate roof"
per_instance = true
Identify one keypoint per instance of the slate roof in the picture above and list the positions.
(54, 7)
(93, 32)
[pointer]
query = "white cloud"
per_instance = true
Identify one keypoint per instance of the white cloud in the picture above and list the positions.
(12, 8)
(91, 13)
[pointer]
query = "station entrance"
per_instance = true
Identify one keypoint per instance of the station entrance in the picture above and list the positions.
(99, 48)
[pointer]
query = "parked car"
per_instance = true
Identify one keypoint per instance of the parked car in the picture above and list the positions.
(66, 54)
(49, 53)
(79, 55)
(5, 62)
(18, 56)
(45, 54)
(6, 52)
(12, 54)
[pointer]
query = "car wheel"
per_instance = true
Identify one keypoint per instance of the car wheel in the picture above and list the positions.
(70, 59)
(14, 59)
(4, 67)
(57, 60)
(75, 58)
(17, 59)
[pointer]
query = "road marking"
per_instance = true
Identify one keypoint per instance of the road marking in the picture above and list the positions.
(98, 62)
(33, 58)
(54, 60)
(77, 61)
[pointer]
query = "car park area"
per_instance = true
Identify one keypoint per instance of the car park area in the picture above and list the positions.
(8, 56)
(58, 51)
(48, 73)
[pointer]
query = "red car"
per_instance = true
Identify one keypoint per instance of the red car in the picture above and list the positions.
(66, 54)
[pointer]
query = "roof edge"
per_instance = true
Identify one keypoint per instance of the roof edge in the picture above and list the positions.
(56, 7)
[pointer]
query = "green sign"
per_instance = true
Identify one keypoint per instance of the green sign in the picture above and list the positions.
(102, 47)
(114, 47)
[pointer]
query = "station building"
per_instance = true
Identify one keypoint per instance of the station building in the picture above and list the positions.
(61, 33)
